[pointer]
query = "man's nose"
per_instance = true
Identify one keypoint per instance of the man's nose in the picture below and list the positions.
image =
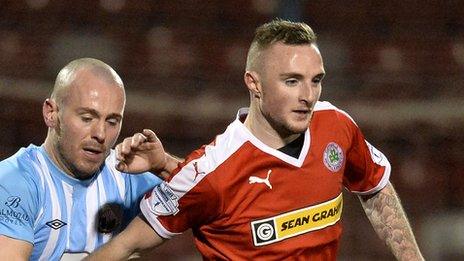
(99, 131)
(306, 92)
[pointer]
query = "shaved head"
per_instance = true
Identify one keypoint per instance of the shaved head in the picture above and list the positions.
(67, 75)
(84, 116)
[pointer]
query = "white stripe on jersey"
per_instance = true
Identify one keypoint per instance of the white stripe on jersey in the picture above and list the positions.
(42, 182)
(56, 211)
(39, 216)
(101, 190)
(92, 208)
(102, 200)
(111, 163)
(68, 193)
(325, 105)
(214, 155)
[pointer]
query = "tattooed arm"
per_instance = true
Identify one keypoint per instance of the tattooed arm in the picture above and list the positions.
(389, 221)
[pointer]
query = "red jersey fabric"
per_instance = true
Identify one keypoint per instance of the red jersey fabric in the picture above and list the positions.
(247, 201)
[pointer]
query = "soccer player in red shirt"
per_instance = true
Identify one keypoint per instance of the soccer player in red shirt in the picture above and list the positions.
(269, 187)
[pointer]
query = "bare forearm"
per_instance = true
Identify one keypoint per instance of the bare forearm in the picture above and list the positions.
(14, 249)
(113, 250)
(137, 236)
(389, 221)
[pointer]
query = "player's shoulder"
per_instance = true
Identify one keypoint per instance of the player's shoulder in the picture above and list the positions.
(208, 157)
(21, 163)
(326, 109)
(18, 171)
(325, 106)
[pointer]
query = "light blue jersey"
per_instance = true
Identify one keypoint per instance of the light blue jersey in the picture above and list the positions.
(42, 205)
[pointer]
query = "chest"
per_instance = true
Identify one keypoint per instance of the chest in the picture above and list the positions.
(267, 186)
(270, 200)
(70, 217)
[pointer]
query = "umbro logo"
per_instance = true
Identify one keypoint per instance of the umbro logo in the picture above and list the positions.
(56, 224)
(254, 179)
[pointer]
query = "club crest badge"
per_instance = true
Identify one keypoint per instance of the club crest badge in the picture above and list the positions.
(163, 201)
(333, 157)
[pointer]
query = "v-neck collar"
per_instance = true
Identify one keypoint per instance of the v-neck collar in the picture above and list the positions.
(245, 134)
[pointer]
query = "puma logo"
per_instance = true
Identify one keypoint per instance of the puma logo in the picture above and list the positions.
(254, 179)
(197, 172)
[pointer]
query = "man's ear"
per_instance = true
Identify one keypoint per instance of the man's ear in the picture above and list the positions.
(50, 113)
(252, 82)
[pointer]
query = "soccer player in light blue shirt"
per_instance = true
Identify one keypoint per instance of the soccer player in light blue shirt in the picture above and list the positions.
(67, 196)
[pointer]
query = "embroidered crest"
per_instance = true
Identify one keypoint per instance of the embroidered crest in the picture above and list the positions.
(163, 201)
(333, 157)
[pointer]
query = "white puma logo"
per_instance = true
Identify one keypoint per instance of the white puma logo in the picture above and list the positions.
(253, 179)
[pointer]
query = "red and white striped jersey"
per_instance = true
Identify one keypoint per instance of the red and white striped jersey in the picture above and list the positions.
(247, 201)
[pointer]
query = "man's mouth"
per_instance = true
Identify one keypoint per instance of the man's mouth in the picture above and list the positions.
(93, 150)
(302, 111)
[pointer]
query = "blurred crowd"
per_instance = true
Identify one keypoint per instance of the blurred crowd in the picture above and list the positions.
(396, 66)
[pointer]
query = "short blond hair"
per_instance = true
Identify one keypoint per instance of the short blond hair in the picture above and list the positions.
(278, 30)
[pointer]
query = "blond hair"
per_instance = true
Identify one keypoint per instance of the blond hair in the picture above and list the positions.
(278, 30)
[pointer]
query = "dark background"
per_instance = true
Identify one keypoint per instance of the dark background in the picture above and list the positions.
(396, 66)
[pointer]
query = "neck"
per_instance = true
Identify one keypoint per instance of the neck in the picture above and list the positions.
(52, 152)
(262, 129)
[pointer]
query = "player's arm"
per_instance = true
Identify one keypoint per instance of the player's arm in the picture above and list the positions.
(389, 221)
(18, 195)
(144, 152)
(14, 249)
(171, 163)
(137, 236)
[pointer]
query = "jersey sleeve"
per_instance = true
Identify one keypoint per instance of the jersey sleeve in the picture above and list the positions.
(367, 169)
(188, 200)
(18, 203)
(137, 186)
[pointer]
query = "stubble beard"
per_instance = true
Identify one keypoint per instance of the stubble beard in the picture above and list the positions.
(291, 126)
(283, 127)
(71, 163)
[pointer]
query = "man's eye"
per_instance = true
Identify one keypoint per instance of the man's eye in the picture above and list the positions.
(86, 119)
(291, 82)
(113, 122)
(318, 79)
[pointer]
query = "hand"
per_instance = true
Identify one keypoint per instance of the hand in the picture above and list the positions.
(141, 152)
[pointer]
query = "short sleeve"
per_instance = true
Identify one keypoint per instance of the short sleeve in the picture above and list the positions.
(18, 203)
(367, 169)
(137, 186)
(187, 201)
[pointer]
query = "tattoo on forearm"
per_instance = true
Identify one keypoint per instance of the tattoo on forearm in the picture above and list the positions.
(388, 219)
